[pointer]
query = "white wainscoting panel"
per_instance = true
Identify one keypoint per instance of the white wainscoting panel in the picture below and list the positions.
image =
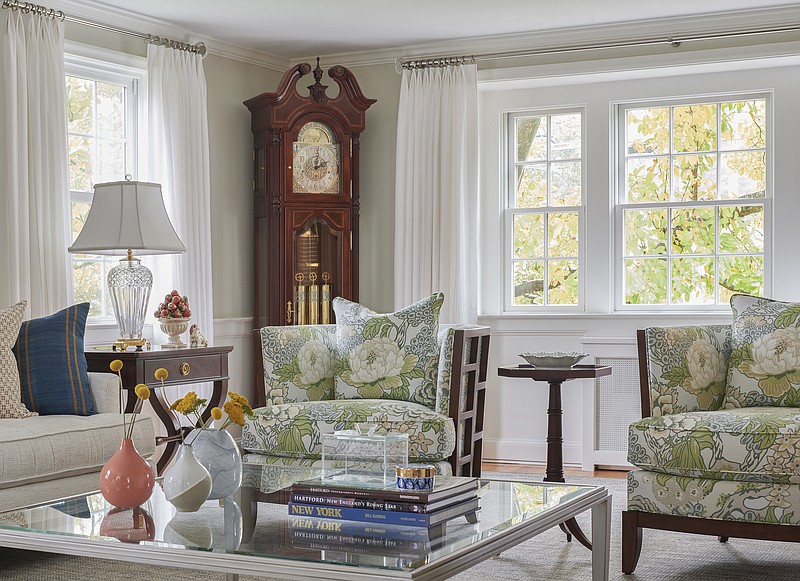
(612, 404)
(239, 334)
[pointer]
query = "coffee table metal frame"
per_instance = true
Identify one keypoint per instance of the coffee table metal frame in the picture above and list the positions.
(233, 564)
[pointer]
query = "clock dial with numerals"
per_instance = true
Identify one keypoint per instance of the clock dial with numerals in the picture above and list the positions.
(316, 161)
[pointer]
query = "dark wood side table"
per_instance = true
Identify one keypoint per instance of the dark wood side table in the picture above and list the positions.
(185, 367)
(555, 439)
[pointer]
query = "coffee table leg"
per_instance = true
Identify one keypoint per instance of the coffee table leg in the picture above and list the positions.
(235, 577)
(601, 534)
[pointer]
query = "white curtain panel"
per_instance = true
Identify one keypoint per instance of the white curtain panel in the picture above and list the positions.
(436, 190)
(179, 161)
(34, 194)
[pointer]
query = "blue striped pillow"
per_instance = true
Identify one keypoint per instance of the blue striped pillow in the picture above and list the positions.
(52, 364)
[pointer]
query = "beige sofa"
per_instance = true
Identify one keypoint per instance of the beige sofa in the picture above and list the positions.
(48, 457)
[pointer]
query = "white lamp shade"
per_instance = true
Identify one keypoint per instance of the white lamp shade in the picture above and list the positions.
(127, 215)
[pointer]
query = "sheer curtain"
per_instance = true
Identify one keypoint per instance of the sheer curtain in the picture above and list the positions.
(436, 190)
(179, 161)
(34, 194)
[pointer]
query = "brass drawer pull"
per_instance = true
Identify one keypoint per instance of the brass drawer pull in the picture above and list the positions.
(185, 369)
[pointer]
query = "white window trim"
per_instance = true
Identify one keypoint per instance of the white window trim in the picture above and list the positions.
(618, 189)
(506, 191)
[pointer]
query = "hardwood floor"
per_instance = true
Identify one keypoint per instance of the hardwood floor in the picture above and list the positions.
(539, 469)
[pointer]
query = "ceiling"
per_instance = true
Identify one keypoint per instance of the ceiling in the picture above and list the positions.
(291, 29)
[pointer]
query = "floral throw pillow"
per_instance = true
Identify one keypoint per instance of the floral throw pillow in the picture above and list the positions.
(387, 356)
(765, 361)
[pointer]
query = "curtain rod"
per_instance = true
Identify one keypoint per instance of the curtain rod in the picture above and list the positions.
(674, 41)
(28, 7)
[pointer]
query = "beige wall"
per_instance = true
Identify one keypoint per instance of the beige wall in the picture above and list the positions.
(376, 262)
(231, 152)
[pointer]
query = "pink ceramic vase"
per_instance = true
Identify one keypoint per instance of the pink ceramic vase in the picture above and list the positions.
(126, 480)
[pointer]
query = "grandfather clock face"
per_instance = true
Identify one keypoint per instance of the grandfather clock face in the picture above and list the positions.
(316, 161)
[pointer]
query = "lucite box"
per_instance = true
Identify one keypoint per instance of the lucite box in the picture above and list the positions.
(353, 458)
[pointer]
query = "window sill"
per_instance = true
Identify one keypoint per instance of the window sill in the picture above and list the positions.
(722, 316)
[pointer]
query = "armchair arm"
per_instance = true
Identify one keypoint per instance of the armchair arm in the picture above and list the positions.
(105, 389)
(683, 369)
(460, 393)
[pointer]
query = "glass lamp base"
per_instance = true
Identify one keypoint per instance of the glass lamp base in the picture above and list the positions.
(129, 285)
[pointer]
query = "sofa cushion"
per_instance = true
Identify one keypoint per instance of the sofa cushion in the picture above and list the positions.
(52, 364)
(11, 405)
(765, 359)
(294, 430)
(760, 444)
(388, 356)
(759, 502)
(50, 447)
(298, 363)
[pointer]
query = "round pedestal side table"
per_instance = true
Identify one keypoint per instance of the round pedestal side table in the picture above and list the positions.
(555, 439)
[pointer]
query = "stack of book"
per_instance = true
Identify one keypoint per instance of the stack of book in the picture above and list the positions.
(451, 497)
(350, 541)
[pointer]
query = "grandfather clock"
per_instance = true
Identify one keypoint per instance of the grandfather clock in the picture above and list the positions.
(306, 198)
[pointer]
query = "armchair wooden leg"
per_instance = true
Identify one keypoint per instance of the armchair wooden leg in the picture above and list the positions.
(631, 541)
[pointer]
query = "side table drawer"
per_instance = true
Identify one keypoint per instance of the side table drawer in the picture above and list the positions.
(185, 369)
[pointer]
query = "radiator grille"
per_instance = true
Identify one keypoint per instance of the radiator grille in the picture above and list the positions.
(617, 403)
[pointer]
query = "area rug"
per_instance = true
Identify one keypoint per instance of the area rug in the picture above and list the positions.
(665, 556)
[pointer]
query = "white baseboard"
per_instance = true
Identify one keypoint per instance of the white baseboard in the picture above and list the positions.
(506, 449)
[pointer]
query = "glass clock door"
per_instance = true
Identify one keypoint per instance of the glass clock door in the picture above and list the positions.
(319, 265)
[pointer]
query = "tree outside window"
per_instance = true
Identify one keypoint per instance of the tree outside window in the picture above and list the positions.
(544, 209)
(98, 123)
(693, 195)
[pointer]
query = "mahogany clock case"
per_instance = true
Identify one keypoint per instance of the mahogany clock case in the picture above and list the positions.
(306, 162)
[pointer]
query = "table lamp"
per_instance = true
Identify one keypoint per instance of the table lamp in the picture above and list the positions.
(127, 216)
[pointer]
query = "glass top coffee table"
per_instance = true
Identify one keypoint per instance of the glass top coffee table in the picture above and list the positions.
(238, 536)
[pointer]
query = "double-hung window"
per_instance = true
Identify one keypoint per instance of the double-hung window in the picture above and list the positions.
(102, 145)
(693, 200)
(544, 208)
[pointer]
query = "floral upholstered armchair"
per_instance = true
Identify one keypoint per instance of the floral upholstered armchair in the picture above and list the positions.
(718, 448)
(400, 372)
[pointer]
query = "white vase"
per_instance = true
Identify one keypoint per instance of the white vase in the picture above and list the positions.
(174, 328)
(218, 452)
(187, 483)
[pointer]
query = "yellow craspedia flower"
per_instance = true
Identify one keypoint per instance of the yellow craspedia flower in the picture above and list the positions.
(161, 374)
(234, 412)
(216, 413)
(115, 365)
(142, 391)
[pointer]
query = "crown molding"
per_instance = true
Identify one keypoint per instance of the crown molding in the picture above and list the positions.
(95, 11)
(662, 28)
(638, 67)
(708, 23)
